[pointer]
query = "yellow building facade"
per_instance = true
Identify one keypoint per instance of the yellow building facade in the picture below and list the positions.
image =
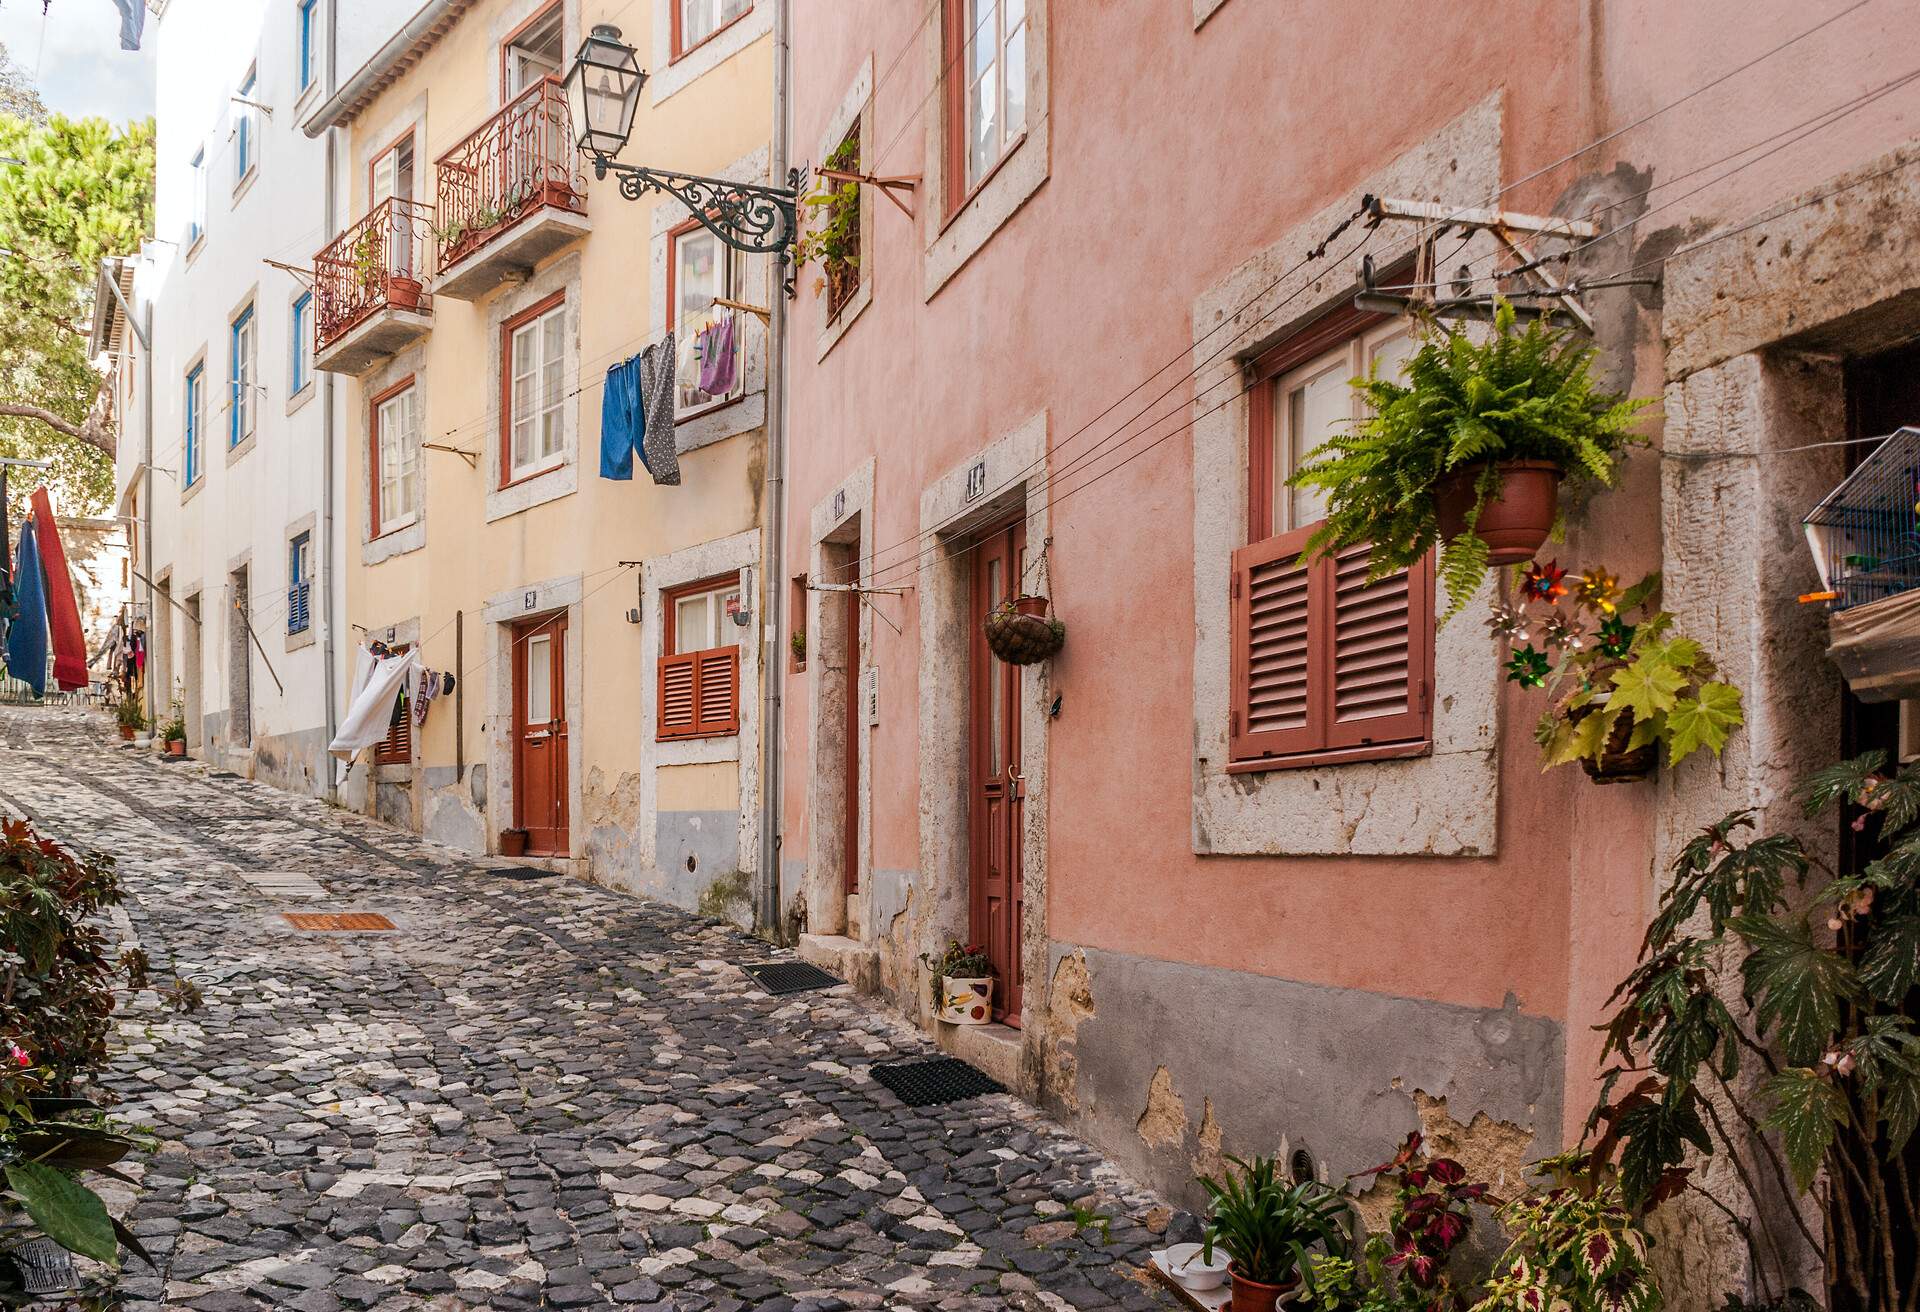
(604, 635)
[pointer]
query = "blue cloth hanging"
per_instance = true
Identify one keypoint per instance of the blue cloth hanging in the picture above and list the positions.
(622, 428)
(27, 636)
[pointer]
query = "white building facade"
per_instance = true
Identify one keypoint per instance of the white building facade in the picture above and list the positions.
(234, 454)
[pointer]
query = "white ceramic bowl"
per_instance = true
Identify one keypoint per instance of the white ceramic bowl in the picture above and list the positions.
(1197, 1273)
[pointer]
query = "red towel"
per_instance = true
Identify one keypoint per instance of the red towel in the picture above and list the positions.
(63, 614)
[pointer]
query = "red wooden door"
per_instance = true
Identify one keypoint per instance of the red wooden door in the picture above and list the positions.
(540, 735)
(852, 817)
(996, 794)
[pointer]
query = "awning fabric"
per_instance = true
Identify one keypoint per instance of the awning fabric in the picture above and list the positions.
(1877, 647)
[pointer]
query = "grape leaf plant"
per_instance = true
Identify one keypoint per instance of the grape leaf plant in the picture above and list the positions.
(1828, 965)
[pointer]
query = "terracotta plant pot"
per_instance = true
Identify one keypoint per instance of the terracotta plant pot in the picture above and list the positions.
(1252, 1295)
(965, 1001)
(513, 842)
(1026, 605)
(1516, 519)
(126, 733)
(176, 747)
(403, 293)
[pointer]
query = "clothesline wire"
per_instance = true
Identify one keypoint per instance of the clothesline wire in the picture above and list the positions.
(1511, 186)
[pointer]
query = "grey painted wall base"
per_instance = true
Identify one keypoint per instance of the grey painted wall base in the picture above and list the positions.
(297, 762)
(1248, 1060)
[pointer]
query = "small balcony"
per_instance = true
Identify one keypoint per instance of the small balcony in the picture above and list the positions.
(368, 287)
(509, 195)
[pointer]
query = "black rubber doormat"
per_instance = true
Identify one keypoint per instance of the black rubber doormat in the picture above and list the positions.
(930, 1083)
(778, 977)
(523, 872)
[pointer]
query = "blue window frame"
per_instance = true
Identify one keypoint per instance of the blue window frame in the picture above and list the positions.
(243, 133)
(242, 375)
(198, 224)
(299, 582)
(307, 8)
(196, 408)
(302, 342)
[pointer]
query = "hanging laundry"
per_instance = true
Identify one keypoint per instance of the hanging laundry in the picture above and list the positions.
(427, 689)
(63, 612)
(6, 558)
(446, 685)
(371, 713)
(621, 424)
(133, 22)
(657, 408)
(27, 638)
(718, 358)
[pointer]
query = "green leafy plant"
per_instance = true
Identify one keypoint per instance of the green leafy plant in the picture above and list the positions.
(1574, 1247)
(1467, 403)
(1612, 656)
(366, 263)
(958, 962)
(831, 226)
(1270, 1228)
(129, 714)
(797, 640)
(1830, 981)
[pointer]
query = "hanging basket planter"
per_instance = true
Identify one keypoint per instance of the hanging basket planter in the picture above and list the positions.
(1518, 515)
(1616, 764)
(1020, 632)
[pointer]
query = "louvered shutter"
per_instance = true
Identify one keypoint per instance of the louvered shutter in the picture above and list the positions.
(1379, 652)
(700, 693)
(677, 710)
(1275, 616)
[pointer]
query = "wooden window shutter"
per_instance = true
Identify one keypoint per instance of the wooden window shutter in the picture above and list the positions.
(1379, 651)
(1275, 615)
(397, 747)
(700, 693)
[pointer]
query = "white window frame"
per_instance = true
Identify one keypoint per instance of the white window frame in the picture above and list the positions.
(197, 220)
(717, 629)
(300, 359)
(546, 393)
(689, 38)
(1006, 131)
(689, 401)
(246, 131)
(389, 431)
(305, 34)
(243, 376)
(1353, 358)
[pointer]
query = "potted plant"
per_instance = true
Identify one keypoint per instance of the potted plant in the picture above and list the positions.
(129, 716)
(513, 842)
(962, 984)
(797, 642)
(832, 229)
(1468, 453)
(1269, 1229)
(1623, 683)
(174, 732)
(1020, 632)
(403, 291)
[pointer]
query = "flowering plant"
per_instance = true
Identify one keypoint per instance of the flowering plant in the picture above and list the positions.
(960, 962)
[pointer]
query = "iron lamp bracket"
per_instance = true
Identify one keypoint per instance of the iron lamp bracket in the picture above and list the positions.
(747, 216)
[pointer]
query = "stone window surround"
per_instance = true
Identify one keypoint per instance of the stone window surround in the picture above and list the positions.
(952, 240)
(1016, 469)
(296, 400)
(856, 107)
(563, 275)
(503, 611)
(740, 551)
(671, 75)
(368, 144)
(413, 537)
(824, 887)
(308, 523)
(750, 411)
(188, 491)
(248, 304)
(1203, 10)
(1442, 804)
(508, 20)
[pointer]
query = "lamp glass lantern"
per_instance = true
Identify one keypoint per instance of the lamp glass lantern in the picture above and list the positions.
(603, 90)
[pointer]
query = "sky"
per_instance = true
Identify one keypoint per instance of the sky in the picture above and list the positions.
(76, 49)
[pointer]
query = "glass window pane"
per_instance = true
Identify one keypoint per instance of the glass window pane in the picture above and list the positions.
(982, 138)
(540, 679)
(1016, 75)
(982, 37)
(690, 626)
(1318, 405)
(1388, 354)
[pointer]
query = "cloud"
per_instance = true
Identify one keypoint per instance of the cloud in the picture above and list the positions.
(76, 48)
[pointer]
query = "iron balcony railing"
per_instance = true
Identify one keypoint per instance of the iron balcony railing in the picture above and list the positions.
(510, 166)
(380, 262)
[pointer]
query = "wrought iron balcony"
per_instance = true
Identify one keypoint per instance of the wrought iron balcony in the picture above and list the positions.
(509, 195)
(369, 287)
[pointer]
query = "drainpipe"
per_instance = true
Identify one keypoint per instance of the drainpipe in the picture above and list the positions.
(146, 507)
(327, 625)
(774, 588)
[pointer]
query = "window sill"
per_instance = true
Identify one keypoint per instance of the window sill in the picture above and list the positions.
(986, 180)
(192, 490)
(1336, 756)
(529, 475)
(711, 407)
(536, 489)
(714, 735)
(195, 246)
(240, 448)
(245, 185)
(304, 638)
(386, 531)
(299, 399)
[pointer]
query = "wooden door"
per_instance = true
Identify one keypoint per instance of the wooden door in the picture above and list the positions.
(997, 792)
(852, 818)
(540, 735)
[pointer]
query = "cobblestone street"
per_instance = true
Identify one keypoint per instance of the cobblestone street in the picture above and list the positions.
(531, 1092)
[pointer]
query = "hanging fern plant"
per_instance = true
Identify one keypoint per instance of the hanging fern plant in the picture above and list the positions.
(1468, 405)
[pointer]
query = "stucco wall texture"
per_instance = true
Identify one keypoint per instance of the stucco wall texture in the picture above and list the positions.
(1335, 999)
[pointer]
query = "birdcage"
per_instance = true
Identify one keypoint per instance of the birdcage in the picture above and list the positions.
(1865, 534)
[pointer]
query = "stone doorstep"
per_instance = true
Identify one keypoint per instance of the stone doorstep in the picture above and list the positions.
(992, 1049)
(852, 961)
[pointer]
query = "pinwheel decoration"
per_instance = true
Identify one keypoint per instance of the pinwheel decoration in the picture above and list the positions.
(1529, 667)
(1544, 582)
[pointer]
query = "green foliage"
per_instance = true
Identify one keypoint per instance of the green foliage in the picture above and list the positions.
(128, 713)
(961, 961)
(830, 218)
(71, 1214)
(1269, 1228)
(1573, 1249)
(1465, 405)
(1830, 975)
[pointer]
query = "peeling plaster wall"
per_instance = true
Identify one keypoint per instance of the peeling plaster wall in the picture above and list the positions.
(1168, 1066)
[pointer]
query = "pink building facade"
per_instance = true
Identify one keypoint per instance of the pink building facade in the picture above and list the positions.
(1069, 362)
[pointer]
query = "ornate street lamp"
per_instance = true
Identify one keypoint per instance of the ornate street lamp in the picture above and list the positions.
(603, 90)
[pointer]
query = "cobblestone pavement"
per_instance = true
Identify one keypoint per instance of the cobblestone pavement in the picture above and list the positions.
(533, 1093)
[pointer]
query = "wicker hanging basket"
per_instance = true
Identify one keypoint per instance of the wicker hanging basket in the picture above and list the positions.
(1020, 632)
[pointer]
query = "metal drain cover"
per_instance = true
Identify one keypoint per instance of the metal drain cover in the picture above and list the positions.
(778, 977)
(930, 1083)
(337, 922)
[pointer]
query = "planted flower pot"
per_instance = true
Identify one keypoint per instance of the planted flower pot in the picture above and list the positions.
(965, 1001)
(1617, 765)
(403, 293)
(1518, 516)
(126, 733)
(176, 747)
(1252, 1295)
(513, 842)
(1020, 632)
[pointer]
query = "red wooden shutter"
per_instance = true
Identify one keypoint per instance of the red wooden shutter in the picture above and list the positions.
(700, 693)
(677, 710)
(1275, 614)
(1380, 644)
